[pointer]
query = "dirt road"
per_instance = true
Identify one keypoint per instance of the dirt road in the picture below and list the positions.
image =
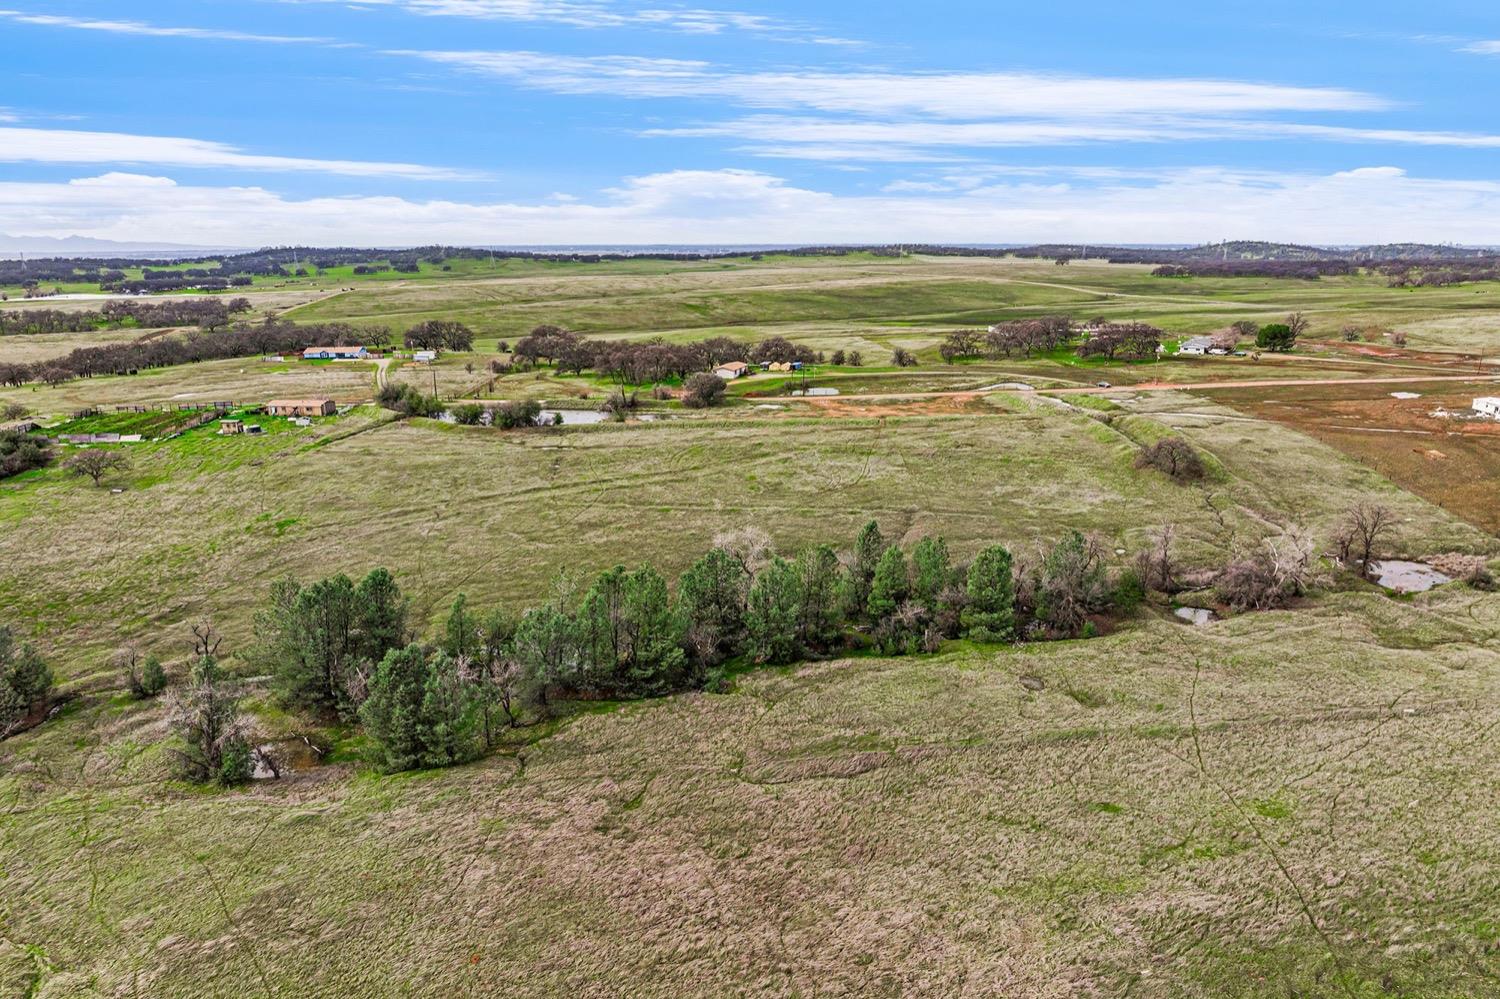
(1142, 387)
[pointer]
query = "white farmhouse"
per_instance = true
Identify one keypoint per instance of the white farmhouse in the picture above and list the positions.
(1488, 406)
(1196, 346)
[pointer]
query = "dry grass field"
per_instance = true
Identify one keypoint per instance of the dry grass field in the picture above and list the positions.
(1284, 804)
(1280, 804)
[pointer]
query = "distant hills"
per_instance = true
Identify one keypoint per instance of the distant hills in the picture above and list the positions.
(1245, 251)
(87, 246)
(1253, 250)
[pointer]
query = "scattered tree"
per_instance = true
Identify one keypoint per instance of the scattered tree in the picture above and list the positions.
(25, 682)
(96, 464)
(703, 389)
(1276, 337)
(213, 738)
(1364, 528)
(1174, 457)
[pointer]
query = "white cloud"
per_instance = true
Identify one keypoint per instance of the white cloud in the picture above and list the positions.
(142, 28)
(731, 206)
(814, 138)
(39, 145)
(1486, 47)
(956, 96)
(602, 14)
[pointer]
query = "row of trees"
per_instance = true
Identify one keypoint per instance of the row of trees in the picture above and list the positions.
(205, 313)
(341, 648)
(270, 336)
(637, 363)
(1031, 336)
(439, 334)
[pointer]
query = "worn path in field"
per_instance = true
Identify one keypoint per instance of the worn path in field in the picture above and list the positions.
(1142, 387)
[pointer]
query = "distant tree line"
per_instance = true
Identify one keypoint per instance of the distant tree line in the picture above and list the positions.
(637, 363)
(1307, 270)
(1032, 336)
(270, 336)
(205, 313)
(1426, 274)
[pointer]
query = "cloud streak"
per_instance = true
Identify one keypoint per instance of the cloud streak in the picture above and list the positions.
(141, 28)
(751, 207)
(950, 95)
(38, 145)
(599, 14)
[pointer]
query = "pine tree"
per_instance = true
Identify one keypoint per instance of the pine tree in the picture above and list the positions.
(931, 570)
(392, 713)
(889, 589)
(25, 680)
(448, 722)
(868, 548)
(712, 596)
(818, 578)
(991, 612)
(461, 630)
(771, 619)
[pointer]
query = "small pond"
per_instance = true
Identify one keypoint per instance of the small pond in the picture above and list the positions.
(1197, 616)
(572, 416)
(1407, 577)
(816, 391)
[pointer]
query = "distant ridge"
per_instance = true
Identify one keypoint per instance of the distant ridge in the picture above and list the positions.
(88, 246)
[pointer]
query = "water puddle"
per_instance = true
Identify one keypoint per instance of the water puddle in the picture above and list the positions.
(1406, 395)
(1407, 577)
(283, 757)
(1196, 616)
(572, 416)
(816, 391)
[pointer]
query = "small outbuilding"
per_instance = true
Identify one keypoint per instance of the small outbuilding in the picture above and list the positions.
(301, 407)
(732, 370)
(229, 427)
(1488, 406)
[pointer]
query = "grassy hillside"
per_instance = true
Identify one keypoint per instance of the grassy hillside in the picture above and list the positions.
(207, 523)
(1279, 804)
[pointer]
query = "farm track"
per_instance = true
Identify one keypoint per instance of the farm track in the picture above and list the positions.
(1141, 387)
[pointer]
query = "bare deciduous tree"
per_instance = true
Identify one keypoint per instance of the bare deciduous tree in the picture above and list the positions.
(1365, 526)
(96, 464)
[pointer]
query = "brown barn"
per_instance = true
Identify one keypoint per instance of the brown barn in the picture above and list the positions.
(301, 407)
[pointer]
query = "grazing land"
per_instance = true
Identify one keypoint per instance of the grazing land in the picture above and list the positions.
(1278, 803)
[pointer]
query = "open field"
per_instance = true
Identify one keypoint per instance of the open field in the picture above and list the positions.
(240, 380)
(908, 301)
(1277, 804)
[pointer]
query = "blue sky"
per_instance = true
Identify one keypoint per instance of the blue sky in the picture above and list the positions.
(245, 122)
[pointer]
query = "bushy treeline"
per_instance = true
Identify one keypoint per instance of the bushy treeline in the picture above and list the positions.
(345, 649)
(1307, 270)
(652, 360)
(270, 336)
(1030, 336)
(21, 452)
(205, 313)
(1423, 273)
